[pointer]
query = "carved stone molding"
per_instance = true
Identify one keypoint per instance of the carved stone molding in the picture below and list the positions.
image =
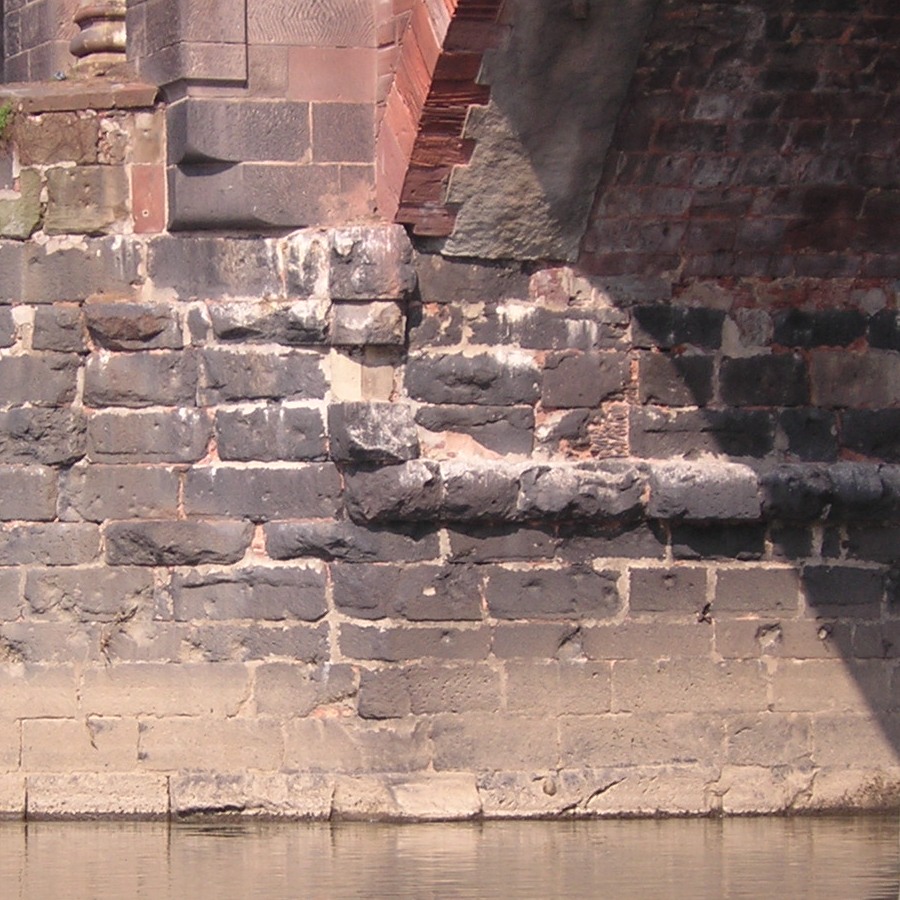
(100, 44)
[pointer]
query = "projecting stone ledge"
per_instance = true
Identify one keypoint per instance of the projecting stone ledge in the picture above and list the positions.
(622, 491)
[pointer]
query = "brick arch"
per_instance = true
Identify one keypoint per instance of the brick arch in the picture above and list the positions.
(420, 138)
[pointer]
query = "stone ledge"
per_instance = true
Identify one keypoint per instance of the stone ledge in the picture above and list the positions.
(623, 490)
(77, 94)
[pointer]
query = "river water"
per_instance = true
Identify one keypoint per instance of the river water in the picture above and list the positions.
(846, 858)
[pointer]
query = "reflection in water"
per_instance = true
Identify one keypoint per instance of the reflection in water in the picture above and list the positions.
(817, 858)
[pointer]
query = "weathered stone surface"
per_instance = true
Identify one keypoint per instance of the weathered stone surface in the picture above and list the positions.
(499, 543)
(425, 798)
(504, 430)
(246, 642)
(39, 379)
(180, 435)
(704, 491)
(270, 433)
(678, 590)
(409, 644)
(59, 327)
(88, 594)
(484, 380)
(97, 492)
(292, 323)
(205, 267)
(86, 199)
(251, 794)
(47, 436)
(853, 379)
(843, 590)
(371, 262)
(583, 380)
(769, 380)
(372, 432)
(478, 493)
(50, 544)
(345, 541)
(602, 491)
(766, 592)
(657, 433)
(21, 216)
(163, 378)
(667, 327)
(230, 375)
(288, 689)
(536, 593)
(670, 380)
(57, 137)
(260, 493)
(375, 323)
(417, 593)
(8, 330)
(176, 543)
(95, 793)
(274, 594)
(134, 326)
(484, 742)
(403, 493)
(796, 492)
(27, 493)
(628, 540)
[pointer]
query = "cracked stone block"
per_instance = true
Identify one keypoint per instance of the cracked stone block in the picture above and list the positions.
(372, 432)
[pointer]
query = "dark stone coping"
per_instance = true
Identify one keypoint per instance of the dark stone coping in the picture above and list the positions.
(623, 490)
(79, 93)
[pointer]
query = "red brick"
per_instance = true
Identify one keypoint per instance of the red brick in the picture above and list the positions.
(148, 199)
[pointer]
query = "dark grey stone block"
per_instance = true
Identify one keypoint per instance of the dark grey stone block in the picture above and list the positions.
(8, 329)
(811, 433)
(670, 380)
(483, 380)
(505, 430)
(800, 493)
(99, 492)
(583, 380)
(842, 590)
(698, 491)
(59, 328)
(874, 433)
(349, 542)
(819, 328)
(230, 375)
(409, 492)
(572, 593)
(173, 436)
(176, 543)
(295, 323)
(27, 493)
(371, 262)
(666, 327)
(741, 542)
(49, 544)
(372, 432)
(54, 437)
(602, 491)
(657, 433)
(478, 493)
(499, 543)
(134, 326)
(141, 379)
(270, 433)
(679, 590)
(770, 380)
(38, 379)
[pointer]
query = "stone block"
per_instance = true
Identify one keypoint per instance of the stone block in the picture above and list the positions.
(666, 327)
(46, 436)
(88, 594)
(230, 375)
(646, 640)
(134, 326)
(583, 380)
(263, 641)
(503, 430)
(343, 132)
(176, 543)
(349, 542)
(418, 593)
(86, 199)
(289, 690)
(272, 594)
(40, 379)
(757, 591)
(709, 490)
(658, 433)
(443, 279)
(424, 798)
(767, 380)
(160, 689)
(843, 590)
(818, 328)
(354, 747)
(12, 796)
(372, 432)
(202, 267)
(235, 130)
(579, 688)
(396, 692)
(99, 492)
(171, 436)
(50, 544)
(733, 541)
(852, 379)
(8, 329)
(483, 380)
(536, 641)
(799, 492)
(640, 740)
(21, 216)
(59, 327)
(478, 493)
(873, 433)
(306, 491)
(408, 492)
(680, 590)
(10, 594)
(91, 744)
(292, 323)
(609, 490)
(670, 380)
(884, 330)
(264, 794)
(484, 741)
(37, 691)
(847, 739)
(371, 262)
(97, 794)
(28, 493)
(375, 323)
(57, 137)
(797, 686)
(686, 685)
(409, 644)
(877, 543)
(269, 433)
(140, 379)
(768, 739)
(569, 593)
(499, 543)
(213, 743)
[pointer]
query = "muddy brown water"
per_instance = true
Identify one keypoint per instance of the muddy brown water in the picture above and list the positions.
(846, 858)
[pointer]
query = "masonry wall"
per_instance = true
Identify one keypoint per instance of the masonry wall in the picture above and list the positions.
(322, 524)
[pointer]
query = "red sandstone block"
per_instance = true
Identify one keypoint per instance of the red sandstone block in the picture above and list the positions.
(148, 199)
(425, 35)
(346, 74)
